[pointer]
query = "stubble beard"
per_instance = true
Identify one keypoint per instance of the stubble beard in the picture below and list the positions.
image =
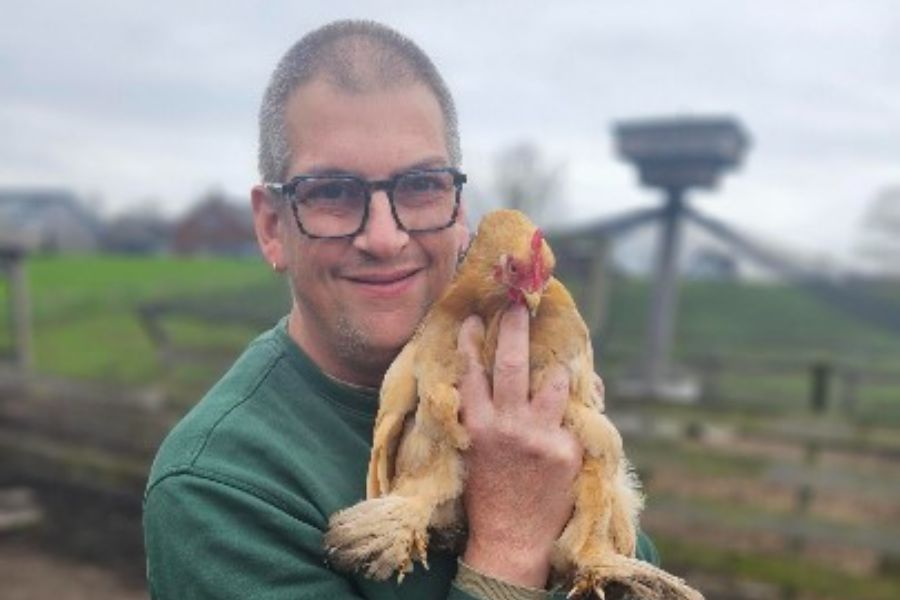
(352, 341)
(355, 344)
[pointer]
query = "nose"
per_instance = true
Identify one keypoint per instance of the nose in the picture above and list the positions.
(381, 237)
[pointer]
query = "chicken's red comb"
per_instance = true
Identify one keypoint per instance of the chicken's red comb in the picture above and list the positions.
(537, 239)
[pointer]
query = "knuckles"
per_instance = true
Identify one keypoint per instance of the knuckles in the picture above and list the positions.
(554, 448)
(563, 451)
(510, 367)
(478, 430)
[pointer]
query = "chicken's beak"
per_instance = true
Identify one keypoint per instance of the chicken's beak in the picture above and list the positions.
(533, 300)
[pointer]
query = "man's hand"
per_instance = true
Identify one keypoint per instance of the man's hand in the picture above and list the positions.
(521, 464)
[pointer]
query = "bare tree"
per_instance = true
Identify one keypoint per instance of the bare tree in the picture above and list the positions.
(524, 180)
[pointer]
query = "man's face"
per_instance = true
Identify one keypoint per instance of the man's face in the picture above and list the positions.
(357, 301)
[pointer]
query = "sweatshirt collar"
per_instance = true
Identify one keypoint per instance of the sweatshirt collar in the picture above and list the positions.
(355, 398)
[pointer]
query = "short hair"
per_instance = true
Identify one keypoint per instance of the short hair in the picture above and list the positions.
(354, 56)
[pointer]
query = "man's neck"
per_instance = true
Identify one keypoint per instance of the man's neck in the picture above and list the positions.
(361, 374)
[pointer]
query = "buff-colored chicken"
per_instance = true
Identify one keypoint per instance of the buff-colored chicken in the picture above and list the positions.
(416, 473)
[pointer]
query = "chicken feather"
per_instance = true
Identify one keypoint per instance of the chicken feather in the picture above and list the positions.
(416, 474)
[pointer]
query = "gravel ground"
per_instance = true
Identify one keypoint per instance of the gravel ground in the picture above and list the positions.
(31, 573)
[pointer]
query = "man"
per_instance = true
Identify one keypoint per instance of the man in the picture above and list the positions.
(357, 129)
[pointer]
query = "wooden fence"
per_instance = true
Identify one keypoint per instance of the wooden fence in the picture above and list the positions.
(764, 487)
(806, 383)
(810, 483)
(89, 435)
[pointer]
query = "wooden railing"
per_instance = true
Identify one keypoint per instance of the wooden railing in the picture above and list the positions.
(801, 489)
(83, 434)
(817, 384)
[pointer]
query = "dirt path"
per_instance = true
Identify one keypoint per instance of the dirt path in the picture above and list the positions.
(28, 573)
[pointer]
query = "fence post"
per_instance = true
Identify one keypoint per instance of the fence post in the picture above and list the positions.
(821, 372)
(12, 257)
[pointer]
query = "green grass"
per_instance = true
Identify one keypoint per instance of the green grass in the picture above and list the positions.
(754, 319)
(803, 577)
(879, 438)
(84, 310)
(62, 286)
(198, 335)
(697, 461)
(85, 323)
(734, 323)
(110, 346)
(787, 572)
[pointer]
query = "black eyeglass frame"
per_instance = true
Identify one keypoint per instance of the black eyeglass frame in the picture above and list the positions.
(287, 190)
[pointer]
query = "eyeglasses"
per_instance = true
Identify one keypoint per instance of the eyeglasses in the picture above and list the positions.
(337, 206)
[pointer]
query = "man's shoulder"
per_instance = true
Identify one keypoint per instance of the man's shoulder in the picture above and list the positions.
(243, 385)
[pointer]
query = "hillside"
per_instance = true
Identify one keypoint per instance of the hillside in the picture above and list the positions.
(86, 322)
(742, 318)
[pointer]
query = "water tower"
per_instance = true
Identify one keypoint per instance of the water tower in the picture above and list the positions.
(675, 155)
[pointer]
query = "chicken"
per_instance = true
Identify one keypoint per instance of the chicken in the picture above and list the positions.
(416, 474)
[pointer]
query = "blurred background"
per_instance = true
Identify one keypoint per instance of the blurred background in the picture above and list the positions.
(720, 181)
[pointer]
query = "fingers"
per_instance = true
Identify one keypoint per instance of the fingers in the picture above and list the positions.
(550, 400)
(511, 374)
(475, 391)
(511, 361)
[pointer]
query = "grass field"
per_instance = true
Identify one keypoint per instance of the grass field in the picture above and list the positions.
(766, 339)
(755, 319)
(84, 309)
(86, 325)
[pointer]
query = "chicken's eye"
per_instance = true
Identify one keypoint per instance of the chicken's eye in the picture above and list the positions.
(512, 268)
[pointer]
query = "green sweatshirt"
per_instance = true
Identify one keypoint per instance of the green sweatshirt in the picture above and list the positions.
(241, 490)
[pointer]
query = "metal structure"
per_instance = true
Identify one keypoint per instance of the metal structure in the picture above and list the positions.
(677, 155)
(674, 155)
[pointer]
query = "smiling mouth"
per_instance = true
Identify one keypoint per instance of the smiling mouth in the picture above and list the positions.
(384, 279)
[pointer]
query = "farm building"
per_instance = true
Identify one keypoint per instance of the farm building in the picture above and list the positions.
(216, 225)
(51, 220)
(138, 232)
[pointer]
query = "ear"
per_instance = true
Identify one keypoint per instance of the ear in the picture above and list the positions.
(267, 221)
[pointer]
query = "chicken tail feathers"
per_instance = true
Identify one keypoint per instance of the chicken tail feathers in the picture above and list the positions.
(379, 537)
(623, 577)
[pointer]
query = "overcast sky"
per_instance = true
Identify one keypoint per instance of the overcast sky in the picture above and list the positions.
(138, 102)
